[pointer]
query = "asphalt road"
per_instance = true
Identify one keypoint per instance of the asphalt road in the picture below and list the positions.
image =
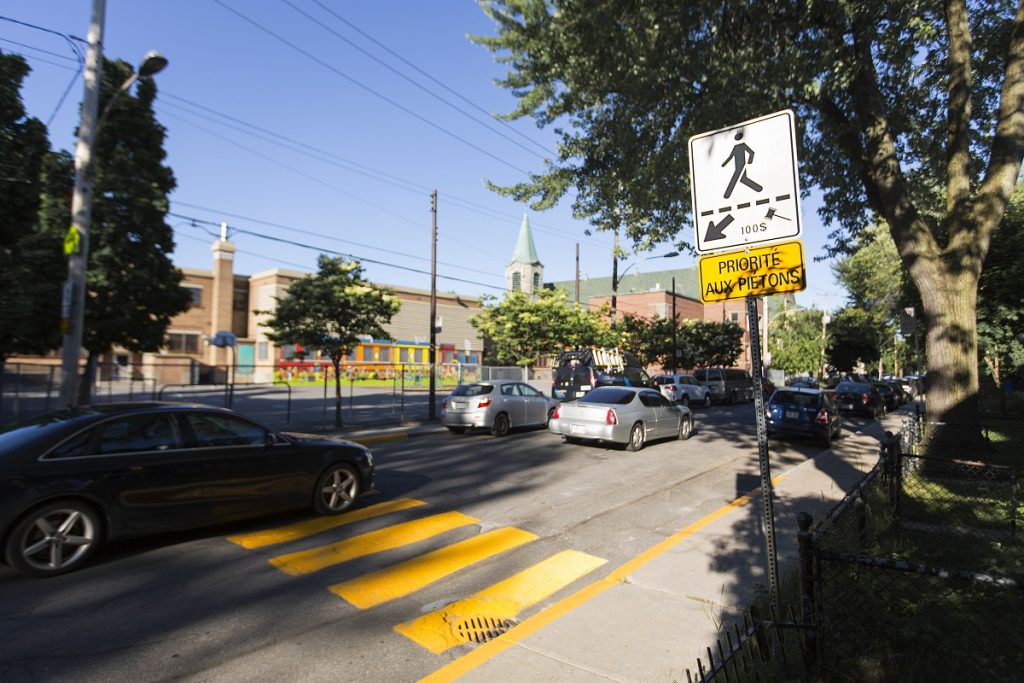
(197, 606)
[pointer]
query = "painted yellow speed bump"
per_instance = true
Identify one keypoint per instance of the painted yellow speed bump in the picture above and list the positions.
(419, 572)
(504, 600)
(315, 559)
(292, 532)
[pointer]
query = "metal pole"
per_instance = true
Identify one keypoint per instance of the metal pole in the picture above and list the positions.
(433, 306)
(73, 308)
(615, 276)
(767, 494)
(675, 324)
(577, 299)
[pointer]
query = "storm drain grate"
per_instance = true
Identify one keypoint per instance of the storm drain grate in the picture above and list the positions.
(481, 629)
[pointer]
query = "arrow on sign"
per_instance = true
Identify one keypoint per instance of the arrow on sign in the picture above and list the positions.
(717, 232)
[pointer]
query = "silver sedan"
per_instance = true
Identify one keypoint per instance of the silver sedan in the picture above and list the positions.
(498, 405)
(626, 415)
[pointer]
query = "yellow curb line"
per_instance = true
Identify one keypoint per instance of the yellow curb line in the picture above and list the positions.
(528, 627)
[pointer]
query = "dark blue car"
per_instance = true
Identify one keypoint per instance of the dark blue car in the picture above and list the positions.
(796, 411)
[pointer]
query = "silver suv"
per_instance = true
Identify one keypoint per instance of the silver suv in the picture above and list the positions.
(727, 385)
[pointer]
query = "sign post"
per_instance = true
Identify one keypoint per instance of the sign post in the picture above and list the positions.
(745, 190)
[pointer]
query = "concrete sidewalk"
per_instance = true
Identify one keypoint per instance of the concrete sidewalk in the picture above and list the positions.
(650, 618)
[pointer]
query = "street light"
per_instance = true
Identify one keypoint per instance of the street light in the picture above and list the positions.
(77, 240)
(617, 277)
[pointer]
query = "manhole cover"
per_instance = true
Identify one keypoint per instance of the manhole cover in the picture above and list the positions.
(481, 629)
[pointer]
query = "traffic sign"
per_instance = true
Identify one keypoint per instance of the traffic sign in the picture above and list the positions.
(72, 241)
(744, 184)
(774, 269)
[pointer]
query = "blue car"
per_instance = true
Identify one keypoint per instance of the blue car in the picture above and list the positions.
(797, 411)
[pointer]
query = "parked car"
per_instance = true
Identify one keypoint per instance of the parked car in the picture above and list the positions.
(683, 389)
(800, 411)
(499, 405)
(74, 479)
(626, 415)
(889, 398)
(860, 398)
(580, 370)
(727, 385)
(902, 395)
(804, 381)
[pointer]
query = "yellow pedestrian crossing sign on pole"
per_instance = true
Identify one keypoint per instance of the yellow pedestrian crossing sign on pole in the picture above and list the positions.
(72, 241)
(775, 269)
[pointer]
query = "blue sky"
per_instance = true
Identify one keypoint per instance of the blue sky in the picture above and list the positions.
(350, 151)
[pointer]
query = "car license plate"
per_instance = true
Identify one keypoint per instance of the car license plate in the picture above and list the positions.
(846, 406)
(459, 405)
(792, 415)
(577, 429)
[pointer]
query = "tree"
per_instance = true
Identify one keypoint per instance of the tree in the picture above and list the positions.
(909, 113)
(133, 289)
(523, 329)
(852, 339)
(796, 341)
(649, 339)
(712, 344)
(329, 311)
(30, 255)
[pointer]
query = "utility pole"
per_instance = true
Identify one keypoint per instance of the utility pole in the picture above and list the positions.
(431, 414)
(615, 276)
(73, 304)
(577, 273)
(675, 324)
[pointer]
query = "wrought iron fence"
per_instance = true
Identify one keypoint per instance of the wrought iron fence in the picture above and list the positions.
(753, 649)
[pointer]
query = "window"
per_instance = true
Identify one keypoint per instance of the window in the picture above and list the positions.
(509, 390)
(536, 282)
(385, 354)
(517, 282)
(472, 389)
(367, 353)
(527, 390)
(403, 355)
(139, 433)
(183, 342)
(196, 293)
(734, 316)
(262, 351)
(214, 430)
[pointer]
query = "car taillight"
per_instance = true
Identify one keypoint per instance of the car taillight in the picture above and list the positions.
(864, 398)
(554, 415)
(484, 402)
(611, 418)
(444, 404)
(822, 417)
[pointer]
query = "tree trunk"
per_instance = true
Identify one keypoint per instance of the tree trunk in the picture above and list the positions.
(337, 392)
(951, 345)
(88, 380)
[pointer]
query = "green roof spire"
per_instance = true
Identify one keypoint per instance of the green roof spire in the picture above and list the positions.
(525, 251)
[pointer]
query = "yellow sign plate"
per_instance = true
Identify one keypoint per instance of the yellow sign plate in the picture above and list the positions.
(776, 269)
(72, 241)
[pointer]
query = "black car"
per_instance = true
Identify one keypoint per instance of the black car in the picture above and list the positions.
(860, 398)
(73, 479)
(889, 396)
(798, 411)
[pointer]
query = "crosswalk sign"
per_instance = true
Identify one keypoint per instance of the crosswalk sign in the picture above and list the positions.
(72, 241)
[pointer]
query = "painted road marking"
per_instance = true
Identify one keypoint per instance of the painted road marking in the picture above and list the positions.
(410, 576)
(504, 600)
(308, 561)
(487, 651)
(292, 532)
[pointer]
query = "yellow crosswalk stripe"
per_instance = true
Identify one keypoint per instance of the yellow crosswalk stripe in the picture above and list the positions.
(395, 536)
(437, 631)
(410, 576)
(292, 532)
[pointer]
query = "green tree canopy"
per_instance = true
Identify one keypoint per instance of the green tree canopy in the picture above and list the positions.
(852, 339)
(522, 329)
(712, 344)
(31, 265)
(1000, 307)
(796, 341)
(908, 112)
(330, 311)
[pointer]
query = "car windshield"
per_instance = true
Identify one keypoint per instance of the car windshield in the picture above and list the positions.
(472, 389)
(795, 398)
(609, 396)
(853, 387)
(663, 379)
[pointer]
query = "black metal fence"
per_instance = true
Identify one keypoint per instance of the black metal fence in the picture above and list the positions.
(917, 573)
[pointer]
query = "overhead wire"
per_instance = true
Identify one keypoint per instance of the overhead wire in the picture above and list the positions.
(367, 88)
(79, 58)
(405, 77)
(323, 250)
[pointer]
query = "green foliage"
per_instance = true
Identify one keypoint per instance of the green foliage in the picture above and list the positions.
(31, 262)
(852, 338)
(522, 329)
(133, 289)
(331, 310)
(1000, 313)
(796, 342)
(710, 344)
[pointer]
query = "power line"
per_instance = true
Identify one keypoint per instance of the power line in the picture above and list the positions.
(323, 250)
(368, 89)
(425, 74)
(403, 76)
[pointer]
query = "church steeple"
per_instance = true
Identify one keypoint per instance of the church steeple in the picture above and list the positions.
(525, 272)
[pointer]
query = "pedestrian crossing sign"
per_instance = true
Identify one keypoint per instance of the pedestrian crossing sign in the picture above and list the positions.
(72, 241)
(744, 184)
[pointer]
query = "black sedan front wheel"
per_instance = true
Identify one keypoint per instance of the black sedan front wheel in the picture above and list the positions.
(336, 490)
(54, 539)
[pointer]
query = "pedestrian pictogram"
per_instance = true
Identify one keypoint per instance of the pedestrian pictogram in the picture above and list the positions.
(744, 184)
